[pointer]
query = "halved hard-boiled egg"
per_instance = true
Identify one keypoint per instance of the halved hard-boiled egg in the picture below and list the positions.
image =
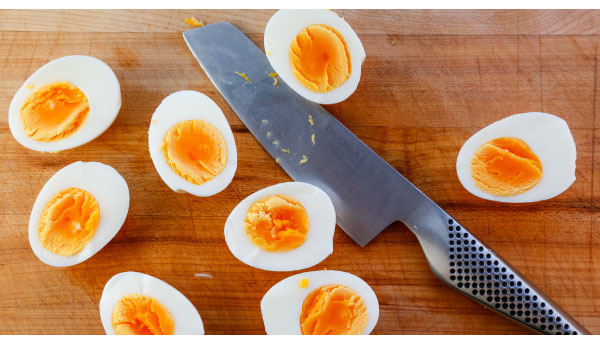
(316, 53)
(64, 104)
(284, 227)
(191, 144)
(522, 158)
(77, 212)
(320, 303)
(135, 303)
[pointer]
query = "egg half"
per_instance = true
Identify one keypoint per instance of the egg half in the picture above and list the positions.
(77, 212)
(284, 227)
(191, 144)
(320, 303)
(522, 158)
(64, 104)
(316, 53)
(135, 303)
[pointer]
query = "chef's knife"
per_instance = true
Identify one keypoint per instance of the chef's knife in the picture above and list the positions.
(368, 194)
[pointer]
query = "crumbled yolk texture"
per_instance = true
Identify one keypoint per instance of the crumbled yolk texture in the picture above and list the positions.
(333, 310)
(505, 167)
(195, 150)
(141, 315)
(54, 112)
(69, 221)
(319, 58)
(276, 223)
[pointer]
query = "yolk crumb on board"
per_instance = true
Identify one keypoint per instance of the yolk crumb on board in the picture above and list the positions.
(310, 119)
(54, 112)
(505, 167)
(333, 310)
(243, 75)
(304, 160)
(195, 150)
(303, 283)
(137, 314)
(276, 223)
(319, 58)
(69, 221)
(193, 22)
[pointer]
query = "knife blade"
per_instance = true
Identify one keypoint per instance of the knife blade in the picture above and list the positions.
(368, 194)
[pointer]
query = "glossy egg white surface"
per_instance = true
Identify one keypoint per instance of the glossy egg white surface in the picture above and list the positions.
(549, 138)
(185, 316)
(93, 77)
(110, 191)
(281, 306)
(319, 240)
(182, 106)
(282, 29)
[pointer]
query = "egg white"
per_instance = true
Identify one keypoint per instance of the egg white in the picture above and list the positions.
(185, 316)
(549, 138)
(182, 106)
(319, 240)
(93, 77)
(110, 191)
(281, 306)
(282, 29)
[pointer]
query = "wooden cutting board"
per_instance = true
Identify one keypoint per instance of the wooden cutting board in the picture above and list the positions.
(430, 80)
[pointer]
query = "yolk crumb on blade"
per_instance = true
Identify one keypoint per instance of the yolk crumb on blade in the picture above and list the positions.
(141, 315)
(304, 160)
(54, 112)
(333, 310)
(319, 58)
(275, 79)
(192, 21)
(505, 167)
(195, 150)
(310, 119)
(312, 138)
(243, 75)
(276, 223)
(69, 221)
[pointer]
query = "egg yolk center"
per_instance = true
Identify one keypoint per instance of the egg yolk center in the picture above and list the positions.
(319, 58)
(276, 223)
(195, 150)
(141, 315)
(505, 167)
(333, 310)
(69, 221)
(54, 112)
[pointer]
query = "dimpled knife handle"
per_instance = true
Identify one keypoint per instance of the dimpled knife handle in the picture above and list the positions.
(463, 262)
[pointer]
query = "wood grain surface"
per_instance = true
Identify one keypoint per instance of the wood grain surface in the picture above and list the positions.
(430, 80)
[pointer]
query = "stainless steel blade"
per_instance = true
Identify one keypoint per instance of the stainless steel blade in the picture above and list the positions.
(368, 194)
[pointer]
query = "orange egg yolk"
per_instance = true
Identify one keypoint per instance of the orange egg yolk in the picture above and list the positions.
(319, 58)
(333, 310)
(276, 223)
(54, 112)
(505, 167)
(141, 315)
(69, 221)
(195, 150)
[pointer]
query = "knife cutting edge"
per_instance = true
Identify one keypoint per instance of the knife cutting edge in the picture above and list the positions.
(368, 194)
